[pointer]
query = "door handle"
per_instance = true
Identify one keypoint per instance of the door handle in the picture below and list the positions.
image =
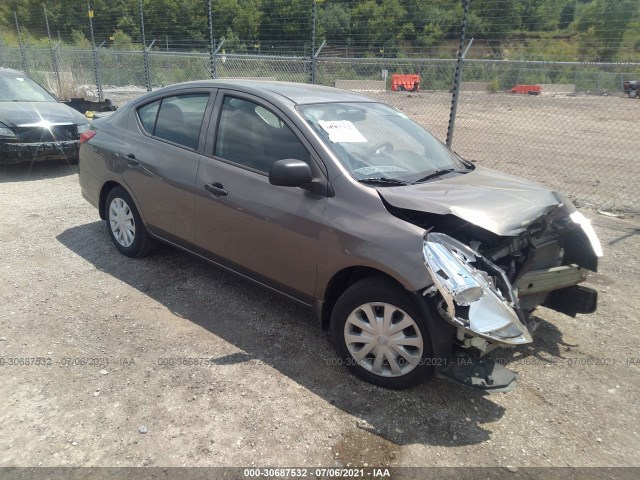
(131, 159)
(216, 189)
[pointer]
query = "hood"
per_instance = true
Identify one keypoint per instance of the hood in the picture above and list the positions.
(500, 203)
(15, 114)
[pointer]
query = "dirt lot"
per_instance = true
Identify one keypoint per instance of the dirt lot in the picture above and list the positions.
(107, 327)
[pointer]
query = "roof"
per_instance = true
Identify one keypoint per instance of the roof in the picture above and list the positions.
(10, 71)
(298, 93)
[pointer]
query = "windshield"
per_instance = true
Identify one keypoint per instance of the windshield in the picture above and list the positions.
(22, 89)
(374, 141)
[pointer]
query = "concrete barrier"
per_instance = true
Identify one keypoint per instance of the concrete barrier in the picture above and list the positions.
(558, 88)
(266, 79)
(475, 86)
(373, 86)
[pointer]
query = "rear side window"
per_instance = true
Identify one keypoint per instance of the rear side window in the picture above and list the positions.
(177, 119)
(148, 115)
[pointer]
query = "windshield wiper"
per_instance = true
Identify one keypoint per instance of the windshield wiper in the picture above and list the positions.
(437, 173)
(383, 181)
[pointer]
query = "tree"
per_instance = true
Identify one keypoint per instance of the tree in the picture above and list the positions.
(246, 23)
(377, 25)
(286, 22)
(335, 22)
(602, 25)
(567, 15)
(497, 18)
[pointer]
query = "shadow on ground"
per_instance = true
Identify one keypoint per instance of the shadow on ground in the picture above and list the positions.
(30, 171)
(286, 336)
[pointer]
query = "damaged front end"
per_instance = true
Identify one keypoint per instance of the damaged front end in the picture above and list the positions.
(477, 296)
(488, 286)
(496, 248)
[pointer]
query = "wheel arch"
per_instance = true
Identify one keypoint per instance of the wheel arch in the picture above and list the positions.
(441, 332)
(104, 193)
(342, 280)
(102, 199)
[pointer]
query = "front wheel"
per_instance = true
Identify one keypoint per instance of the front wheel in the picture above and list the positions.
(125, 225)
(633, 93)
(379, 333)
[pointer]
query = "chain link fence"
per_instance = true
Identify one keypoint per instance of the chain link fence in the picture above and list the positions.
(579, 135)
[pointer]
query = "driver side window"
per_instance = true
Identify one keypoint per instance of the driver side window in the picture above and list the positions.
(254, 136)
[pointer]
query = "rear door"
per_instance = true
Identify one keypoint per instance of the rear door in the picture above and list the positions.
(161, 155)
(267, 232)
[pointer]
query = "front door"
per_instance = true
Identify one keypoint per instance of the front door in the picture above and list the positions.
(265, 231)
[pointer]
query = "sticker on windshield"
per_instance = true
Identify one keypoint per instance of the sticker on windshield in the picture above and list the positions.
(342, 131)
(20, 79)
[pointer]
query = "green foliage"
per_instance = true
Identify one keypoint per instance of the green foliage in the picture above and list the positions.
(602, 26)
(122, 41)
(586, 30)
(79, 40)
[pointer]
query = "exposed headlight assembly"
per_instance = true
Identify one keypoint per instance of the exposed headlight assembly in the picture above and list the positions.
(473, 302)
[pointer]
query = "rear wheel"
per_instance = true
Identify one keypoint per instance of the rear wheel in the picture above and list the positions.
(633, 93)
(125, 226)
(380, 335)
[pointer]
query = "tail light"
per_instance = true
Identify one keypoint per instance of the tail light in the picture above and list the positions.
(87, 135)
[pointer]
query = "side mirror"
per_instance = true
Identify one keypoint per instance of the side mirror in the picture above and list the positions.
(290, 173)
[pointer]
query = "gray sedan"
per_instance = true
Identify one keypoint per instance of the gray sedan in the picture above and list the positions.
(415, 260)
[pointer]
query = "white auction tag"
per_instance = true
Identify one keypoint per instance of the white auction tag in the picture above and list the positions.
(342, 131)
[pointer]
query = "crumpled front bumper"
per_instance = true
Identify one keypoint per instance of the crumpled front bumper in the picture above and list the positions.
(478, 298)
(29, 152)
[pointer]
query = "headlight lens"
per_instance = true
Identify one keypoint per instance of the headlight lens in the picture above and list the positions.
(6, 132)
(454, 273)
(490, 315)
(83, 128)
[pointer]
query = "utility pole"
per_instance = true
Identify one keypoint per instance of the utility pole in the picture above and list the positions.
(54, 60)
(457, 77)
(25, 67)
(313, 42)
(96, 60)
(212, 54)
(145, 51)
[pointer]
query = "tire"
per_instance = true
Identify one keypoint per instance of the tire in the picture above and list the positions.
(383, 365)
(125, 226)
(633, 93)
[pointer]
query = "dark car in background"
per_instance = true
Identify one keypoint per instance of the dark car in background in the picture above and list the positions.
(34, 125)
(631, 88)
(415, 260)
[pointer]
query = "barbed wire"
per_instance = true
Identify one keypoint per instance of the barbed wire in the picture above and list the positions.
(391, 28)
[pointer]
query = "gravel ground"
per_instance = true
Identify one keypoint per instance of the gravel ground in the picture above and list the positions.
(272, 395)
